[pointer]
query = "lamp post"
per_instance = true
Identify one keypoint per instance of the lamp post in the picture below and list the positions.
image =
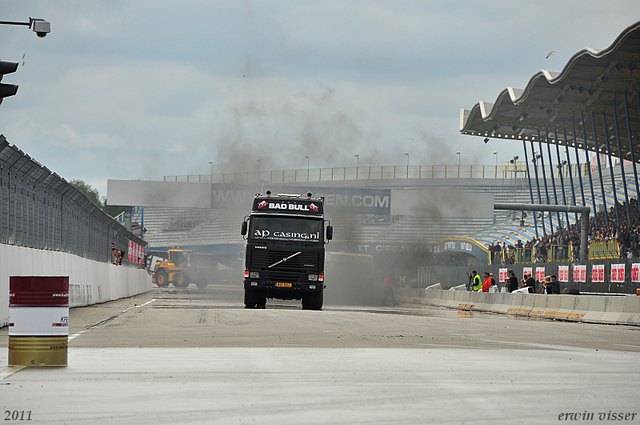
(407, 155)
(307, 167)
(357, 165)
(458, 153)
(496, 154)
(211, 175)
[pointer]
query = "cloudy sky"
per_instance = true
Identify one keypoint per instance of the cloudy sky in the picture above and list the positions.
(143, 89)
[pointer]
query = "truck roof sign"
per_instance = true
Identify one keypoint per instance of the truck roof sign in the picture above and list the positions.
(307, 206)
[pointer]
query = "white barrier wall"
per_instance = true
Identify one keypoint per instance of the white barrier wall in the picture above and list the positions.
(90, 282)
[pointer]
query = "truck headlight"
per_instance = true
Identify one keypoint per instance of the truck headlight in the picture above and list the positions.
(254, 275)
(313, 277)
(312, 286)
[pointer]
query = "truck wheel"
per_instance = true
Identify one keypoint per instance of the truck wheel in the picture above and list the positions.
(250, 298)
(182, 280)
(161, 279)
(312, 301)
(201, 285)
(261, 300)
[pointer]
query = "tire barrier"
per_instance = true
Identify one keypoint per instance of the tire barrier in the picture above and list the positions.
(604, 309)
(38, 320)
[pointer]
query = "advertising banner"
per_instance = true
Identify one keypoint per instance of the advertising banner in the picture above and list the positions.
(617, 273)
(635, 272)
(344, 200)
(563, 273)
(597, 273)
(503, 274)
(579, 273)
(135, 253)
(540, 274)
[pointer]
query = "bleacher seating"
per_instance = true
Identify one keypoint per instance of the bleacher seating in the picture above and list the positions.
(207, 227)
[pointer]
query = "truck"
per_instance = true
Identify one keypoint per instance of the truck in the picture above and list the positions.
(285, 238)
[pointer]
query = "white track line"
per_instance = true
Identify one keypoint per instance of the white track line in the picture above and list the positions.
(77, 334)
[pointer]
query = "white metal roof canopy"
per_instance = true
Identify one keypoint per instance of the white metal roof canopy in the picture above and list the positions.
(596, 89)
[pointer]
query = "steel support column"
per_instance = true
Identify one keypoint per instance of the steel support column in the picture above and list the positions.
(561, 170)
(553, 180)
(575, 146)
(613, 180)
(573, 188)
(544, 179)
(586, 151)
(526, 161)
(624, 178)
(535, 164)
(633, 156)
(604, 198)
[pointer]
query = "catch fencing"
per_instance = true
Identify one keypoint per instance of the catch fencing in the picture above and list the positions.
(39, 209)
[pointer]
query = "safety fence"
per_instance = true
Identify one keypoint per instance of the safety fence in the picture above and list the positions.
(506, 171)
(555, 253)
(598, 250)
(609, 309)
(604, 249)
(39, 209)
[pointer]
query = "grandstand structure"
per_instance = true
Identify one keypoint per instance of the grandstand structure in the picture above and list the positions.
(580, 133)
(167, 226)
(590, 108)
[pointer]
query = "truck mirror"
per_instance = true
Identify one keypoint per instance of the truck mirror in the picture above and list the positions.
(243, 230)
(329, 233)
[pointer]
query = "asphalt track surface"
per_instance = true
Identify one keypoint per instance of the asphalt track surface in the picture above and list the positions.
(197, 356)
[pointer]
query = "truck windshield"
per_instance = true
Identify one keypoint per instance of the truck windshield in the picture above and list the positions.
(286, 229)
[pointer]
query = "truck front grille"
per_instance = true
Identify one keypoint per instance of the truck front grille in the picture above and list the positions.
(301, 262)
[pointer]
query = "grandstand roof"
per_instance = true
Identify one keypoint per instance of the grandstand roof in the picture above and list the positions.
(593, 81)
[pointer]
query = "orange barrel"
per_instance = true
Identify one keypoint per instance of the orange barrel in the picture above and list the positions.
(38, 320)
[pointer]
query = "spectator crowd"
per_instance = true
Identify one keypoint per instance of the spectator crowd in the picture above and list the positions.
(626, 236)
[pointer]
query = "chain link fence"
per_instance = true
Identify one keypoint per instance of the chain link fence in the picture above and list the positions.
(39, 209)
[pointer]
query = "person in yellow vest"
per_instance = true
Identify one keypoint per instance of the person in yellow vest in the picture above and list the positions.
(477, 282)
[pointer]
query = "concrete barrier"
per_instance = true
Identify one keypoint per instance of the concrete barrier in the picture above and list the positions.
(613, 309)
(502, 303)
(457, 298)
(631, 313)
(90, 282)
(552, 306)
(624, 310)
(595, 310)
(516, 304)
(539, 305)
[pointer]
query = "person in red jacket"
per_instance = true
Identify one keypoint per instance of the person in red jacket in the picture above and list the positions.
(389, 294)
(487, 282)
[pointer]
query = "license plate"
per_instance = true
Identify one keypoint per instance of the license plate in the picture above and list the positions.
(283, 285)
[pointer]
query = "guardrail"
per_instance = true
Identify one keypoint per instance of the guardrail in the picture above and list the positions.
(504, 171)
(604, 249)
(555, 253)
